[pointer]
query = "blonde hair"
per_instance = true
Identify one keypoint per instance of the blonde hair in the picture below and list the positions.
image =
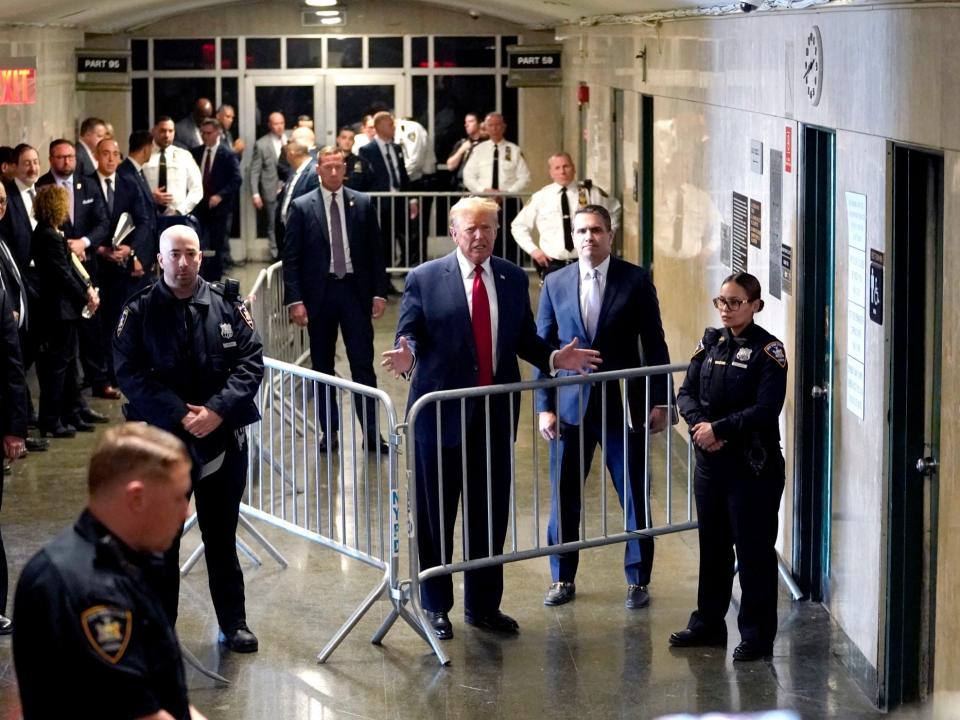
(52, 205)
(134, 450)
(474, 205)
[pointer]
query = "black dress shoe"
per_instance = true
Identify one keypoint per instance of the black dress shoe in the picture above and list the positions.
(6, 625)
(80, 425)
(377, 446)
(697, 638)
(36, 444)
(333, 446)
(440, 622)
(560, 593)
(92, 416)
(637, 597)
(747, 652)
(495, 621)
(241, 640)
(59, 431)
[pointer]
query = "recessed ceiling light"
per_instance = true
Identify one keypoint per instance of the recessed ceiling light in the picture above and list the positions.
(326, 13)
(331, 20)
(320, 3)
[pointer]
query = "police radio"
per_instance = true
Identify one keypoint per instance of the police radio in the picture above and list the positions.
(229, 288)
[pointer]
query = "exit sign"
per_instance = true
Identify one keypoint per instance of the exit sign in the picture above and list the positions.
(18, 81)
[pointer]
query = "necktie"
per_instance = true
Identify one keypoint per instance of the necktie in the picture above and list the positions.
(207, 162)
(394, 174)
(162, 169)
(336, 239)
(287, 193)
(495, 181)
(567, 228)
(591, 304)
(482, 332)
(110, 195)
(67, 185)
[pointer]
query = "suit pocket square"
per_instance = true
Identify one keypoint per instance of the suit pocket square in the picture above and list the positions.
(87, 201)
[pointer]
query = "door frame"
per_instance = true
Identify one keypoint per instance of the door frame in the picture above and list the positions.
(814, 266)
(401, 103)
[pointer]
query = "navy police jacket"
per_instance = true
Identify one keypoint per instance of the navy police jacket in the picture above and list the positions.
(203, 351)
(738, 384)
(88, 614)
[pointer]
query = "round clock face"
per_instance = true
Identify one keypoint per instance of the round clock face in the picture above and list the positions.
(813, 66)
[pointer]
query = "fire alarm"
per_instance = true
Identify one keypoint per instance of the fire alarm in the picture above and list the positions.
(583, 94)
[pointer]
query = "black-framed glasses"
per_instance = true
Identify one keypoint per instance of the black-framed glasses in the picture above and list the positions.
(721, 303)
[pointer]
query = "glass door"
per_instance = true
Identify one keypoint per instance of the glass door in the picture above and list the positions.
(350, 96)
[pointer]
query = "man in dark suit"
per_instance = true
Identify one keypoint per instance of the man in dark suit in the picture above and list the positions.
(303, 179)
(384, 171)
(335, 279)
(451, 311)
(187, 131)
(610, 305)
(92, 131)
(85, 229)
(123, 270)
(220, 171)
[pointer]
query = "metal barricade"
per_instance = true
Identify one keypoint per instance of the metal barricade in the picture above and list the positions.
(524, 537)
(282, 340)
(414, 226)
(342, 495)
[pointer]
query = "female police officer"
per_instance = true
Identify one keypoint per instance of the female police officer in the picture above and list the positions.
(731, 399)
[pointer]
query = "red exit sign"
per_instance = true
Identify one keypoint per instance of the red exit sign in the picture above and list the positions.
(18, 81)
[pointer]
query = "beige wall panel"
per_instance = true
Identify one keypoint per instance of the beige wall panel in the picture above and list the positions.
(56, 111)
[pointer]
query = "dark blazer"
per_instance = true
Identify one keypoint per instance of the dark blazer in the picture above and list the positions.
(62, 292)
(306, 250)
(128, 197)
(128, 170)
(376, 176)
(307, 182)
(85, 166)
(17, 231)
(435, 320)
(13, 384)
(629, 318)
(89, 210)
(225, 177)
(10, 277)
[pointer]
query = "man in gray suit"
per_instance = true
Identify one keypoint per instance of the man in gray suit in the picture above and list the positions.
(268, 170)
(187, 130)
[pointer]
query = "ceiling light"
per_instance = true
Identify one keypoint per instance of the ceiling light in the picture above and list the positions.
(321, 3)
(326, 13)
(331, 20)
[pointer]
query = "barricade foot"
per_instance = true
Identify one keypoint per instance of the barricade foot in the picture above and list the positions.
(354, 619)
(246, 550)
(378, 636)
(191, 561)
(192, 660)
(264, 543)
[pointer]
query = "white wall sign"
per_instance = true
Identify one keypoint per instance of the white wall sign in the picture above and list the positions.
(856, 299)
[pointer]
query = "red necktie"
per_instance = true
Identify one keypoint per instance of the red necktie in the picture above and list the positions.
(207, 162)
(482, 335)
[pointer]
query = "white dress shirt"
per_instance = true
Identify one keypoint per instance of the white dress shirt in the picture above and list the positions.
(586, 270)
(327, 200)
(418, 153)
(543, 212)
(184, 181)
(288, 189)
(27, 201)
(393, 169)
(513, 171)
(212, 153)
(467, 273)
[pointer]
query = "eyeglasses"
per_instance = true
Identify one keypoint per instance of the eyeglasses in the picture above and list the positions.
(721, 303)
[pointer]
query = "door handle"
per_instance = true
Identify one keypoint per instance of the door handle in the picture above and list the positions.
(819, 391)
(927, 466)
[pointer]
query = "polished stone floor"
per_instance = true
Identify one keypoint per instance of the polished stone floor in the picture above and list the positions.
(589, 659)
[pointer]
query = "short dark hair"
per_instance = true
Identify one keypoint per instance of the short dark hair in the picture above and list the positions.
(346, 127)
(212, 121)
(134, 450)
(163, 118)
(20, 149)
(597, 210)
(304, 117)
(58, 142)
(90, 123)
(139, 139)
(7, 155)
(749, 283)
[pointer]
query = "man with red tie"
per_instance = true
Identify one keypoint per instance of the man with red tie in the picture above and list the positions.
(464, 320)
(220, 174)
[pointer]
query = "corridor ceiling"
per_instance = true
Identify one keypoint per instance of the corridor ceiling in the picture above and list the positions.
(121, 15)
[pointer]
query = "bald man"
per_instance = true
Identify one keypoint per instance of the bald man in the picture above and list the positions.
(268, 171)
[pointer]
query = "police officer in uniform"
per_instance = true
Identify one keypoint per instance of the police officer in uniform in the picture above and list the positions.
(551, 209)
(731, 400)
(189, 360)
(92, 638)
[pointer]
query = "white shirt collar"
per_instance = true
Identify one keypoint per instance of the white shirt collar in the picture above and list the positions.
(467, 266)
(104, 178)
(586, 269)
(21, 186)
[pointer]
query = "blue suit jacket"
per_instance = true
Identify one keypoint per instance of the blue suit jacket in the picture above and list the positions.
(306, 250)
(225, 177)
(435, 319)
(376, 176)
(129, 197)
(307, 182)
(17, 231)
(629, 318)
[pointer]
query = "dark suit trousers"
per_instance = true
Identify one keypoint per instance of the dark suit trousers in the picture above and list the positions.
(4, 579)
(218, 497)
(57, 374)
(637, 554)
(483, 588)
(737, 508)
(213, 240)
(344, 311)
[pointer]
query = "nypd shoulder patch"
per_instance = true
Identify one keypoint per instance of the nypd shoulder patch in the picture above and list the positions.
(107, 629)
(776, 351)
(245, 314)
(123, 320)
(699, 349)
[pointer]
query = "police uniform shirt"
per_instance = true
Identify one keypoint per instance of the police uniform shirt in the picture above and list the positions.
(543, 212)
(418, 154)
(514, 173)
(91, 638)
(184, 181)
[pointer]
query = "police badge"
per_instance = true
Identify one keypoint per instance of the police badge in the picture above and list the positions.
(226, 330)
(744, 353)
(108, 629)
(506, 153)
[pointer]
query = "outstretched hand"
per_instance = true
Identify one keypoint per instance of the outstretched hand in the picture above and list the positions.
(570, 357)
(399, 360)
